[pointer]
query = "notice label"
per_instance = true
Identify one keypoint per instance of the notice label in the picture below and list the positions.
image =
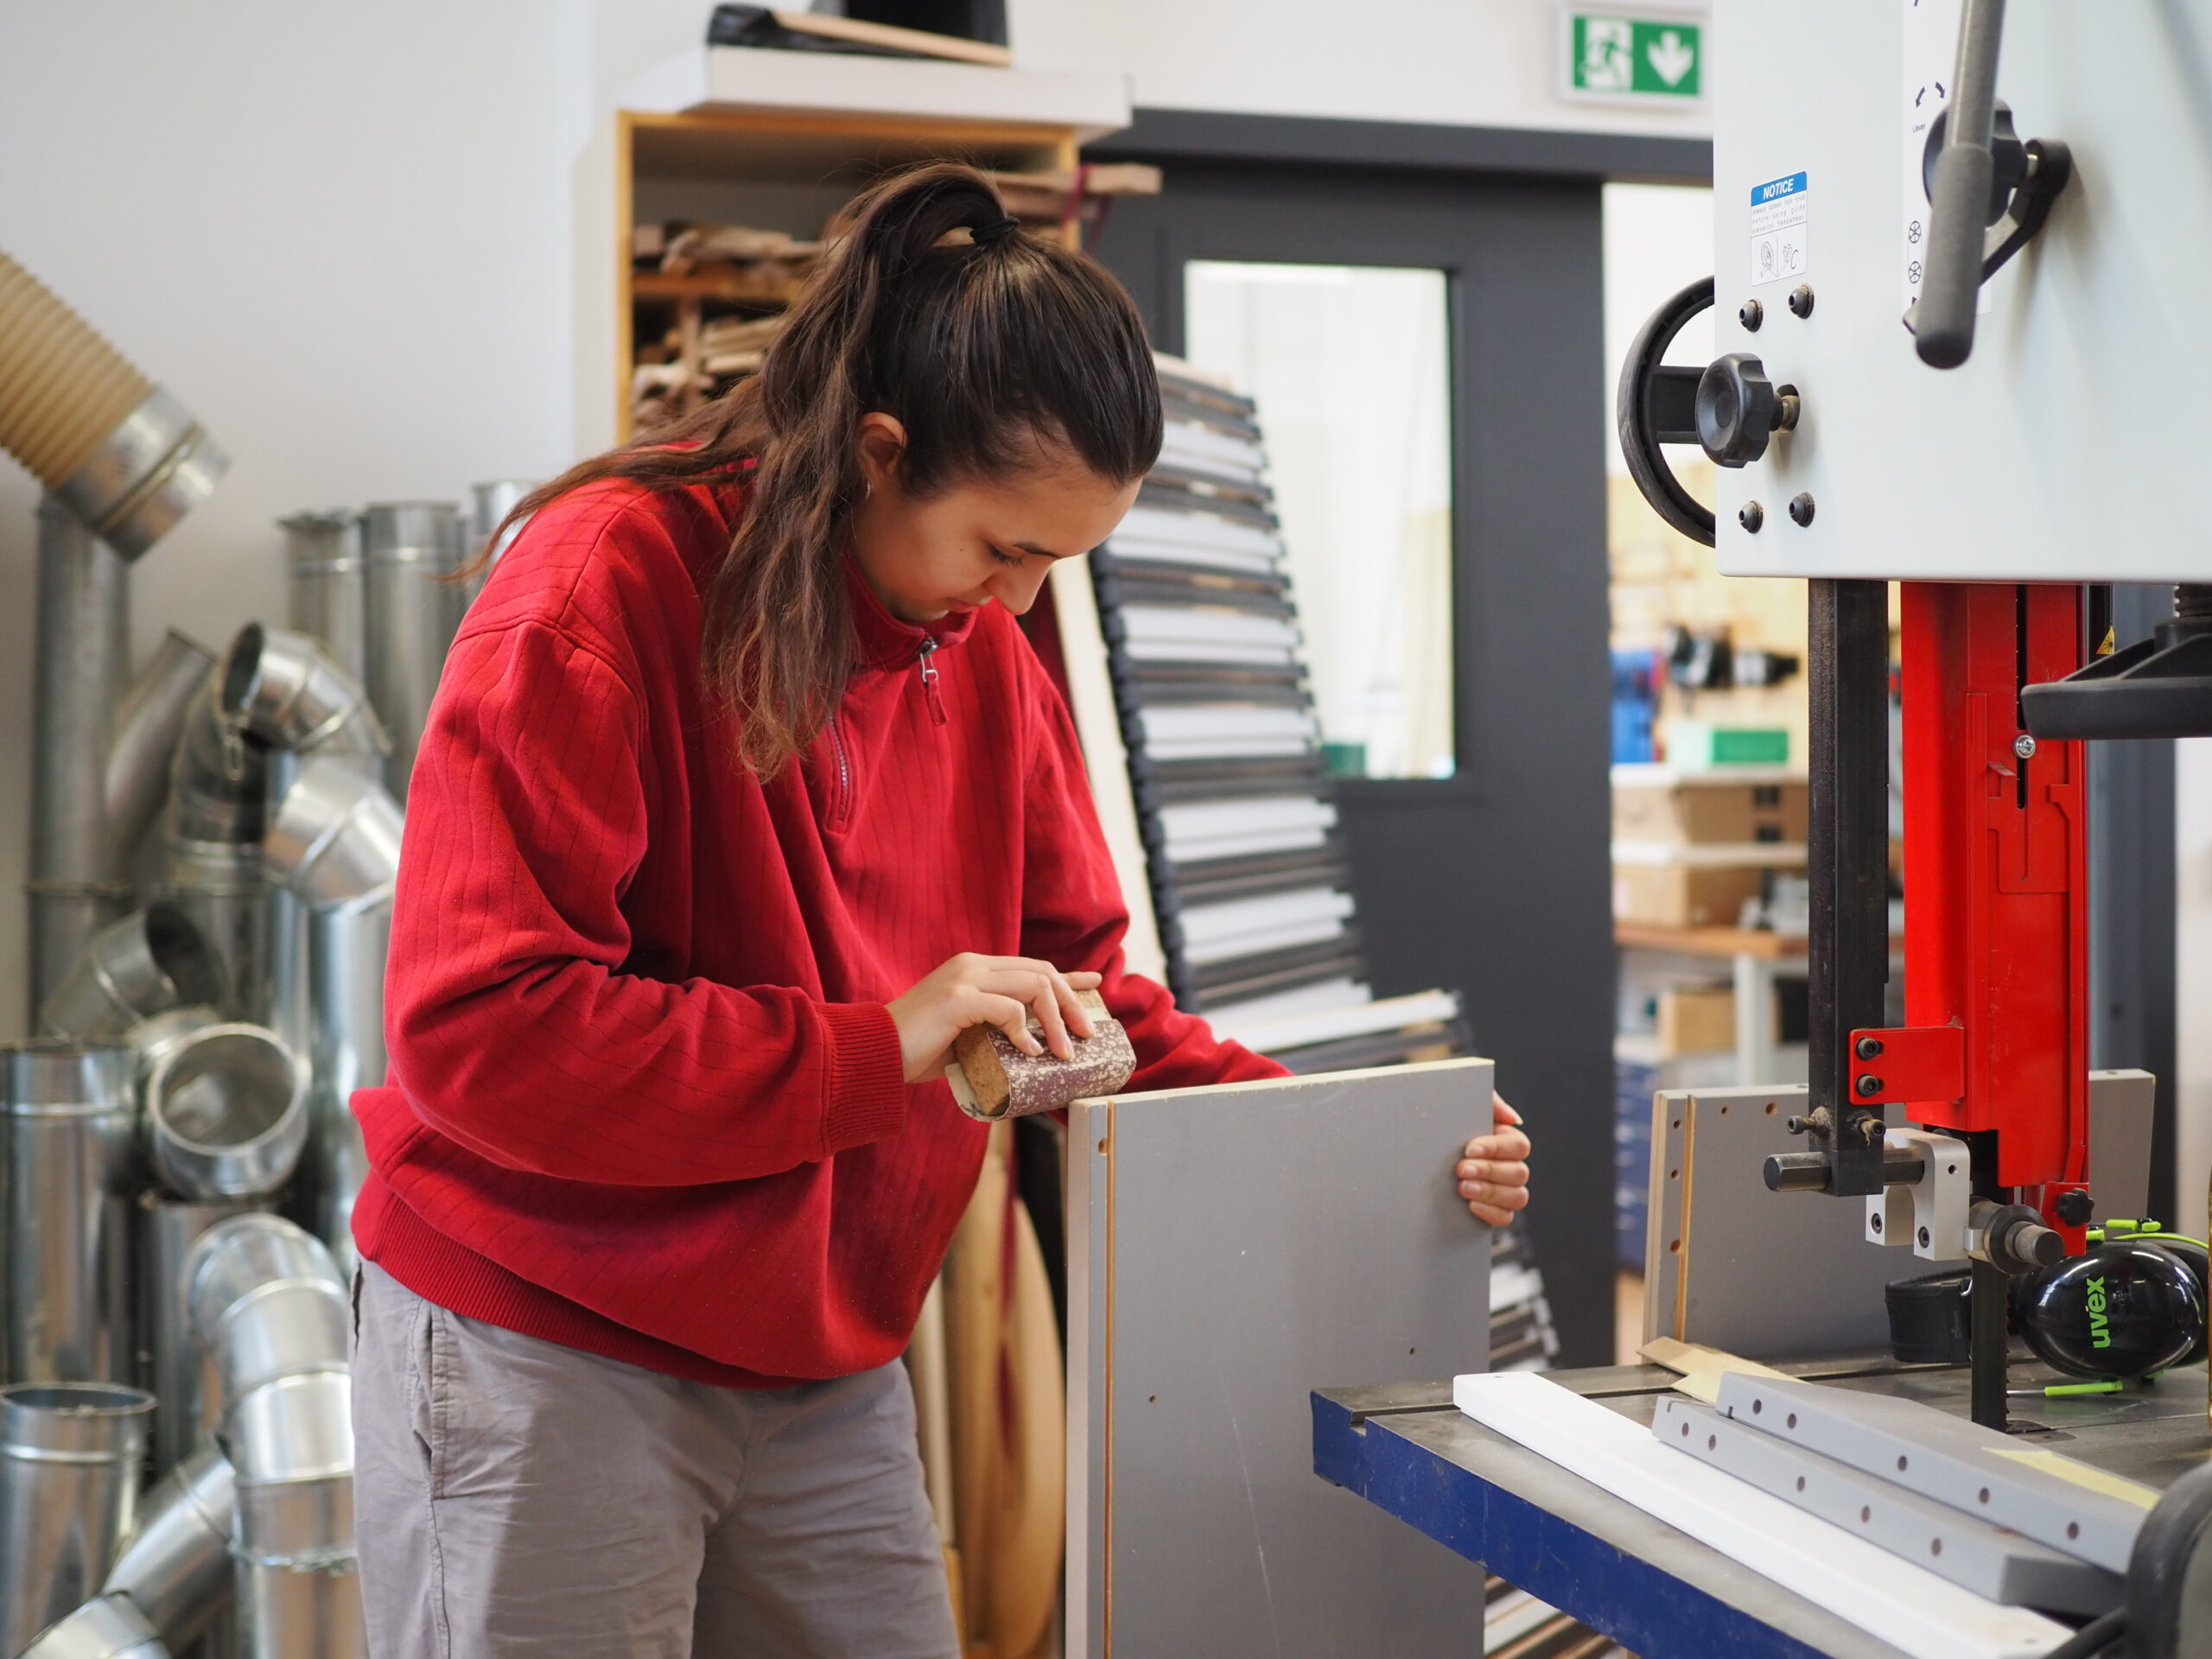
(1781, 216)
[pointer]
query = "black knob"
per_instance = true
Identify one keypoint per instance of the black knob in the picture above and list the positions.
(1737, 409)
(2075, 1206)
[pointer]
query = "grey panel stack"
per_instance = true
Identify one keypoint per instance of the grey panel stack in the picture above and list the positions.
(414, 550)
(69, 1460)
(1228, 1250)
(1249, 878)
(72, 1117)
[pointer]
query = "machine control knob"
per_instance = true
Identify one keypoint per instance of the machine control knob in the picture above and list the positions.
(1738, 409)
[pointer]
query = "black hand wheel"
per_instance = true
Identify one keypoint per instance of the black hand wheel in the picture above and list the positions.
(1657, 404)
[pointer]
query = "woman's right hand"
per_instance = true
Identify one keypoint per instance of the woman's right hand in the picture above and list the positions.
(1001, 991)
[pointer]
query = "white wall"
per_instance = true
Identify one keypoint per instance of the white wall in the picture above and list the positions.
(367, 245)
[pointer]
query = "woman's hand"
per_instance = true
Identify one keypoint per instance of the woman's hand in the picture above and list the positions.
(1001, 991)
(1493, 1171)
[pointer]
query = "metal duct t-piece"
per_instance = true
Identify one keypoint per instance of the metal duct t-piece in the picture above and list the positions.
(322, 552)
(290, 691)
(218, 885)
(109, 1627)
(72, 1136)
(266, 1301)
(335, 837)
(69, 1456)
(227, 1113)
(494, 502)
(187, 1386)
(146, 726)
(128, 458)
(414, 550)
(292, 1442)
(151, 960)
(176, 1570)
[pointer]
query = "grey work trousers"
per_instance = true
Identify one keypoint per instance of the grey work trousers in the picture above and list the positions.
(513, 1496)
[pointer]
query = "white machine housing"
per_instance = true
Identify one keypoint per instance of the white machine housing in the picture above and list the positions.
(2070, 446)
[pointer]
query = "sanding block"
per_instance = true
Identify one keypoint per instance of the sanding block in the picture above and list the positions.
(991, 1078)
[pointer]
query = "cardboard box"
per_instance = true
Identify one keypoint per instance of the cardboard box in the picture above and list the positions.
(1689, 809)
(1696, 1019)
(1683, 895)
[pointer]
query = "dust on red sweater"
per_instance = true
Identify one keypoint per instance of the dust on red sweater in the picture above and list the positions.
(644, 1097)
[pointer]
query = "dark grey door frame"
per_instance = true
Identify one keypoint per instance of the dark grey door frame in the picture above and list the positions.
(1495, 882)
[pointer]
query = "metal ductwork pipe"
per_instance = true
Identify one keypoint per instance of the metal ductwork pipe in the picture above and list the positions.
(108, 1628)
(121, 461)
(494, 502)
(153, 960)
(72, 1117)
(333, 842)
(146, 726)
(211, 850)
(322, 552)
(69, 1459)
(299, 1588)
(225, 1113)
(188, 1387)
(266, 1301)
(125, 456)
(414, 552)
(176, 1570)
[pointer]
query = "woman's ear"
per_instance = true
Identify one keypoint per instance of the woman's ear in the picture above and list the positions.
(881, 445)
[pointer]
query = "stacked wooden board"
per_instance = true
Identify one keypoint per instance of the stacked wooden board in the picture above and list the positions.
(1247, 873)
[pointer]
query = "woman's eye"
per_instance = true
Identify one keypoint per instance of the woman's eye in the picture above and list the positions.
(1005, 558)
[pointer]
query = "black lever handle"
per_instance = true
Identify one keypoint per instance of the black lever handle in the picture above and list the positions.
(1943, 330)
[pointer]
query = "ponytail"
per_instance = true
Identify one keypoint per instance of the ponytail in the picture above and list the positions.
(988, 349)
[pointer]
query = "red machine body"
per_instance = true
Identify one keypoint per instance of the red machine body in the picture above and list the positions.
(1996, 881)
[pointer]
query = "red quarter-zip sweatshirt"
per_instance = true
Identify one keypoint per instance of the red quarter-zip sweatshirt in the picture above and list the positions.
(644, 1097)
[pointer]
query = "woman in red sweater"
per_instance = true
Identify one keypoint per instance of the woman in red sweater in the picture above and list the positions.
(742, 795)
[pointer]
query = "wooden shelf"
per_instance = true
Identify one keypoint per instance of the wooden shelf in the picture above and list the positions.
(734, 283)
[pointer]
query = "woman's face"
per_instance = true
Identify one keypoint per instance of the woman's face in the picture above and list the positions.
(974, 543)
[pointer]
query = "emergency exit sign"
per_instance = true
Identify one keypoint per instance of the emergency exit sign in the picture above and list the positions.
(1642, 57)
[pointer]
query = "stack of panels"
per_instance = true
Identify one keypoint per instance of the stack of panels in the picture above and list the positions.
(1247, 875)
(1521, 1337)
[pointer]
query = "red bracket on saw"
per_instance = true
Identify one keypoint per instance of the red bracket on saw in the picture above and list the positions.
(1910, 1065)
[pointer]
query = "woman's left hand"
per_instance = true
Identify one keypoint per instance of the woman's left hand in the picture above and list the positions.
(1493, 1171)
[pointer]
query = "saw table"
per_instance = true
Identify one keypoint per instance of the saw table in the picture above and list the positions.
(1660, 1593)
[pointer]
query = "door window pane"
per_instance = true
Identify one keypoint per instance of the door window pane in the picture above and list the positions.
(1347, 365)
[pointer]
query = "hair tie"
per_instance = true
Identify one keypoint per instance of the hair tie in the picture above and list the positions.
(997, 230)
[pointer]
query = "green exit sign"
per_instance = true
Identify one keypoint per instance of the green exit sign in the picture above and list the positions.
(1642, 57)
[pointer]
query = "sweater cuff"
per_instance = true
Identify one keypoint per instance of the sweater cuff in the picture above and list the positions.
(867, 1075)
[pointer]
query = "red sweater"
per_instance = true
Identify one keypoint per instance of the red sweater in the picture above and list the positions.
(644, 1097)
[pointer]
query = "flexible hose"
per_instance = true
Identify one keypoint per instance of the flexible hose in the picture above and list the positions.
(62, 387)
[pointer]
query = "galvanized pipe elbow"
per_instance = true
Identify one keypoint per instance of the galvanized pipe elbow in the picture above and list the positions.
(176, 1569)
(219, 780)
(147, 725)
(153, 960)
(288, 690)
(335, 839)
(127, 457)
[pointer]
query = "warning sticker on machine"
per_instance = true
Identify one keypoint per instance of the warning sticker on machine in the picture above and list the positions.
(1780, 212)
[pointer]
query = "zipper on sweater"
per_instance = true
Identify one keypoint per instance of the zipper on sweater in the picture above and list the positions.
(929, 680)
(841, 804)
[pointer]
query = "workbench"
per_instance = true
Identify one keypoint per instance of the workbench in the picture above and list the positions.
(1659, 1592)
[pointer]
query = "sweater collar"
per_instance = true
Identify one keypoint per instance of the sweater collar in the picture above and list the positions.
(888, 641)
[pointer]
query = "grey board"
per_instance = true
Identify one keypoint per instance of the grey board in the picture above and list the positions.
(1230, 1251)
(1768, 1276)
(1995, 1562)
(1733, 1265)
(2071, 1506)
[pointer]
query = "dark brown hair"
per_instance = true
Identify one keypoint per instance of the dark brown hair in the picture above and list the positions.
(987, 351)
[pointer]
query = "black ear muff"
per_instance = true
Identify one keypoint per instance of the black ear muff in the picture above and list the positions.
(2127, 1309)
